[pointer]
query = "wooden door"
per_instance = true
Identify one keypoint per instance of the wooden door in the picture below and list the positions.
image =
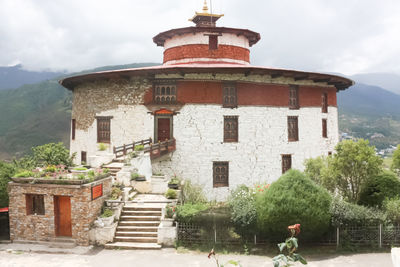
(164, 129)
(62, 215)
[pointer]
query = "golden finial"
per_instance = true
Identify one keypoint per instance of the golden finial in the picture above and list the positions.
(205, 7)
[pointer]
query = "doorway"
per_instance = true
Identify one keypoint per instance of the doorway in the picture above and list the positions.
(62, 216)
(163, 128)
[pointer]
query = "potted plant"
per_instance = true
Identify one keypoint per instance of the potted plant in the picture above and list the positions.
(174, 183)
(137, 177)
(169, 215)
(107, 217)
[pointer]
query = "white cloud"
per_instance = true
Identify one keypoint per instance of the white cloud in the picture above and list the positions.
(349, 36)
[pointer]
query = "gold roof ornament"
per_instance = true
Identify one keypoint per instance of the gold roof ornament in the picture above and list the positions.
(205, 7)
(205, 19)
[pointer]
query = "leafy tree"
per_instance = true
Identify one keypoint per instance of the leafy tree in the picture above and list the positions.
(293, 198)
(392, 208)
(353, 164)
(6, 172)
(396, 161)
(52, 154)
(320, 171)
(377, 189)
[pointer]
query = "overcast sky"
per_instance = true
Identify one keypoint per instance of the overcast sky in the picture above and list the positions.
(345, 36)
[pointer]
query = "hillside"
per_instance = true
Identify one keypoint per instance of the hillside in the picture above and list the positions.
(39, 113)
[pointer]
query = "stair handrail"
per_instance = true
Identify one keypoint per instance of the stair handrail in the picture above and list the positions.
(126, 147)
(161, 148)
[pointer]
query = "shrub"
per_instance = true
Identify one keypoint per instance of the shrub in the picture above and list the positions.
(134, 176)
(106, 213)
(396, 161)
(192, 193)
(174, 180)
(343, 212)
(80, 169)
(293, 198)
(102, 147)
(170, 211)
(392, 208)
(243, 210)
(6, 172)
(378, 188)
(24, 174)
(52, 154)
(187, 212)
(139, 147)
(116, 192)
(171, 194)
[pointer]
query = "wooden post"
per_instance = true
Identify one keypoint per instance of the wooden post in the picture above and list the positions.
(337, 237)
(255, 239)
(124, 150)
(380, 235)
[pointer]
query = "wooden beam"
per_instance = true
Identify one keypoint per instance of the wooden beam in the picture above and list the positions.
(300, 77)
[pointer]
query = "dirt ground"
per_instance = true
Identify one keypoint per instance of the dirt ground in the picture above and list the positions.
(170, 257)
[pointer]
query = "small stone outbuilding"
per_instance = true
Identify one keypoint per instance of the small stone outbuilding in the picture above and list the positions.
(47, 212)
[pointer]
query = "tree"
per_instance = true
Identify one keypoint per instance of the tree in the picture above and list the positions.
(6, 172)
(320, 171)
(353, 164)
(52, 154)
(396, 161)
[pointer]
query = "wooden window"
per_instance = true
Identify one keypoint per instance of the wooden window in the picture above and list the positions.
(231, 127)
(212, 42)
(229, 96)
(293, 97)
(325, 102)
(286, 163)
(83, 158)
(293, 129)
(324, 128)
(73, 124)
(34, 204)
(165, 94)
(103, 129)
(220, 173)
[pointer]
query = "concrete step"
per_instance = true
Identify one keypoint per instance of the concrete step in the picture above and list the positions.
(140, 218)
(131, 245)
(140, 223)
(135, 208)
(137, 228)
(135, 239)
(141, 213)
(136, 234)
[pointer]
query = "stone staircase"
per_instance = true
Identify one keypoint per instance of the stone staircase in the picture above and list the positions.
(114, 167)
(137, 228)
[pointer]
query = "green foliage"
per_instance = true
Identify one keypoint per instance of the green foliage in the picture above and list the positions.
(80, 169)
(378, 188)
(106, 170)
(24, 174)
(116, 192)
(187, 213)
(192, 193)
(6, 172)
(392, 208)
(81, 176)
(134, 175)
(243, 210)
(396, 161)
(170, 210)
(293, 198)
(348, 213)
(102, 147)
(25, 163)
(353, 164)
(171, 194)
(320, 171)
(139, 147)
(174, 180)
(106, 213)
(91, 174)
(291, 245)
(52, 154)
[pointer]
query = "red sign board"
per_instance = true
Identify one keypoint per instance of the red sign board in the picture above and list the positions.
(97, 191)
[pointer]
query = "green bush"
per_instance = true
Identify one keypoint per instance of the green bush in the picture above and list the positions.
(102, 147)
(139, 147)
(171, 194)
(106, 213)
(378, 188)
(192, 193)
(134, 176)
(392, 208)
(24, 174)
(396, 161)
(293, 199)
(187, 213)
(243, 210)
(116, 192)
(52, 154)
(343, 212)
(6, 172)
(80, 169)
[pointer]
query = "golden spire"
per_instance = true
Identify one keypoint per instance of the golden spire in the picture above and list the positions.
(205, 7)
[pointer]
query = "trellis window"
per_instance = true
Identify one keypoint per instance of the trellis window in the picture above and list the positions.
(324, 128)
(293, 129)
(34, 204)
(103, 129)
(231, 129)
(324, 103)
(293, 97)
(220, 174)
(229, 94)
(286, 163)
(165, 94)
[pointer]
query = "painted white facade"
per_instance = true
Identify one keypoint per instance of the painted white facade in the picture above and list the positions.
(205, 60)
(198, 129)
(202, 38)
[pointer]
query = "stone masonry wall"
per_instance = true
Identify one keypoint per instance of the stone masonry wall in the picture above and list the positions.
(42, 227)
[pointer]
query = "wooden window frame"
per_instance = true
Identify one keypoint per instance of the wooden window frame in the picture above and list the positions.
(213, 42)
(286, 157)
(101, 129)
(229, 95)
(35, 204)
(165, 93)
(293, 131)
(231, 135)
(324, 128)
(294, 97)
(324, 102)
(218, 181)
(73, 126)
(83, 157)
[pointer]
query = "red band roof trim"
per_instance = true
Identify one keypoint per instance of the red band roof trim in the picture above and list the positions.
(4, 209)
